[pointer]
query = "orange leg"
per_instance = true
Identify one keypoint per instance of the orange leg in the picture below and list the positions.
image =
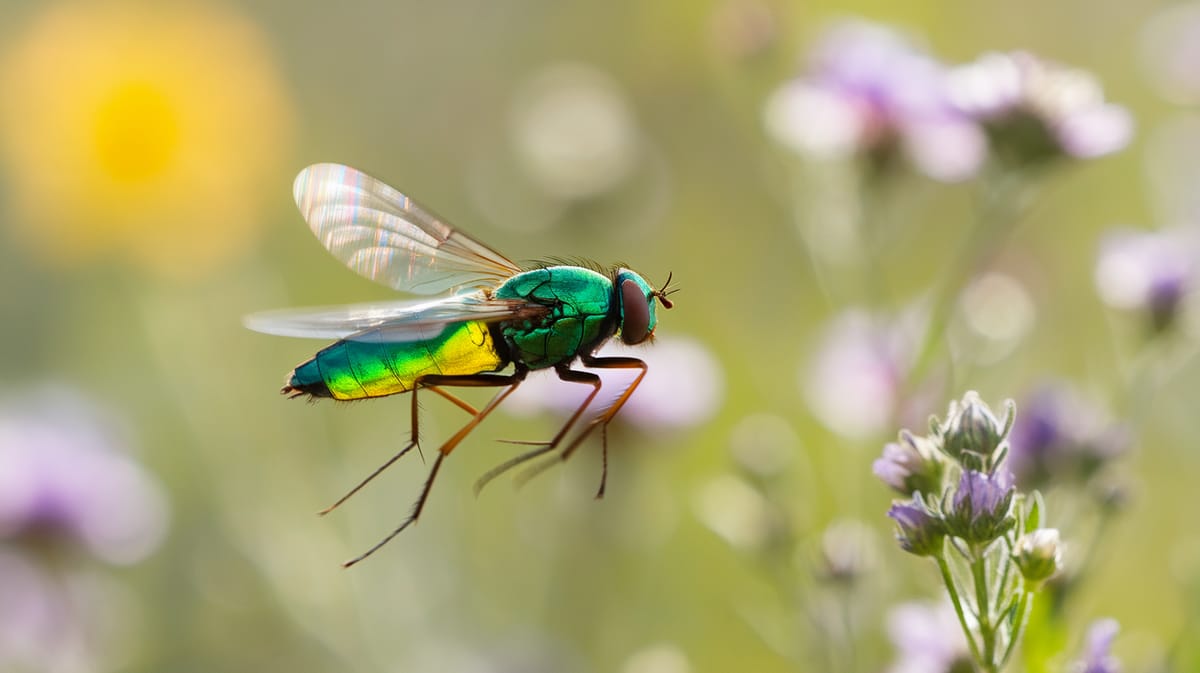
(601, 420)
(414, 440)
(566, 374)
(509, 383)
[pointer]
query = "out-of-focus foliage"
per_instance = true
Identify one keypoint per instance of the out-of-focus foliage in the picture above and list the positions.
(146, 156)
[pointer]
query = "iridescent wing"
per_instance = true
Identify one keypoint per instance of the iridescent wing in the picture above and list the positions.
(387, 237)
(400, 321)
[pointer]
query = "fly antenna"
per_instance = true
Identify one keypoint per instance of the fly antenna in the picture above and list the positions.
(666, 291)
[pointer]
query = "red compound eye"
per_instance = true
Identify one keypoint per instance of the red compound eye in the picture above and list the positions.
(635, 309)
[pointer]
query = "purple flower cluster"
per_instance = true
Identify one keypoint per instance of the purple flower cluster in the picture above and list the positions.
(1036, 109)
(1060, 438)
(978, 508)
(870, 91)
(63, 481)
(68, 494)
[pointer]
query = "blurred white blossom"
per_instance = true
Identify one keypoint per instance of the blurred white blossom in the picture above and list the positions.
(1171, 50)
(998, 313)
(574, 131)
(848, 550)
(736, 511)
(659, 658)
(853, 378)
(927, 638)
(763, 444)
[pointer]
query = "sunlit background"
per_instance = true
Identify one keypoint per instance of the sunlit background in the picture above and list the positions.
(157, 495)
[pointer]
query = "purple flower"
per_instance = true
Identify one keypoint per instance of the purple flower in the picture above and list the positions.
(63, 480)
(1035, 109)
(870, 91)
(1060, 438)
(1150, 271)
(918, 529)
(928, 639)
(910, 465)
(1097, 657)
(979, 511)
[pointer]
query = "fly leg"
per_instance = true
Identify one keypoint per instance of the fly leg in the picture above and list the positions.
(601, 420)
(414, 440)
(508, 382)
(566, 374)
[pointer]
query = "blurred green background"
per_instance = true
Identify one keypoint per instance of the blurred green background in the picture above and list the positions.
(126, 266)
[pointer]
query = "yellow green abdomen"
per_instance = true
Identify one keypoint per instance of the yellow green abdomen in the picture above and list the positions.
(365, 367)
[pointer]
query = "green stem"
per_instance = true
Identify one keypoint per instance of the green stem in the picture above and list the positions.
(1002, 586)
(848, 639)
(987, 630)
(948, 579)
(1023, 608)
(876, 204)
(1087, 560)
(1000, 206)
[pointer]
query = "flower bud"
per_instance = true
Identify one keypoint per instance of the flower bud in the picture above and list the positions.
(911, 465)
(919, 530)
(979, 510)
(972, 433)
(1038, 554)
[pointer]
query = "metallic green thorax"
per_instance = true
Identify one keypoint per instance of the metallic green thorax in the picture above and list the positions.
(583, 314)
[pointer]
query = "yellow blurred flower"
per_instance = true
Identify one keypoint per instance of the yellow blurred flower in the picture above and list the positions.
(150, 131)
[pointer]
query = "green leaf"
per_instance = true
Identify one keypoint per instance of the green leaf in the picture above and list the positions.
(1045, 640)
(1033, 519)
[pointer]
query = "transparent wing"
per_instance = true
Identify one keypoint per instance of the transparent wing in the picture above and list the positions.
(387, 237)
(391, 321)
